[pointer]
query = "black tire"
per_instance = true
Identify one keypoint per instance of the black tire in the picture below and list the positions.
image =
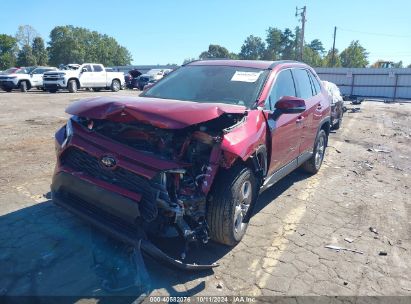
(225, 213)
(8, 90)
(53, 91)
(115, 85)
(23, 86)
(313, 164)
(72, 86)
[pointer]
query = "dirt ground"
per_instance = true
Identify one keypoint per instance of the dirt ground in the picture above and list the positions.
(364, 182)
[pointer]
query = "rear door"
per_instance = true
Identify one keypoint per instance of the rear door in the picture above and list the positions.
(305, 91)
(99, 79)
(285, 130)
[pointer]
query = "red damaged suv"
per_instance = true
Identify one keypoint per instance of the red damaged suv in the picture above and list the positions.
(190, 155)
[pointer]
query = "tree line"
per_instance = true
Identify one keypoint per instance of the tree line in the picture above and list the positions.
(68, 44)
(284, 45)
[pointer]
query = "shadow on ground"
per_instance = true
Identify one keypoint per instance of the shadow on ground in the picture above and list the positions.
(45, 251)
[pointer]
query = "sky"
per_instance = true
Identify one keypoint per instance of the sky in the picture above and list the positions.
(169, 31)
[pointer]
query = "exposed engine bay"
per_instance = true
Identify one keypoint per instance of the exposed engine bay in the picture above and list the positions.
(176, 202)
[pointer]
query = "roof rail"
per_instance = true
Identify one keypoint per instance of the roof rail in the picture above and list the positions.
(205, 59)
(275, 63)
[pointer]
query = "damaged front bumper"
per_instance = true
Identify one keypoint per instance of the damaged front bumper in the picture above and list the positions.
(111, 213)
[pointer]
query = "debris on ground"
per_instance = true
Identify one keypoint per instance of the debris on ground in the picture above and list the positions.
(382, 151)
(348, 240)
(219, 286)
(382, 253)
(338, 151)
(372, 229)
(338, 248)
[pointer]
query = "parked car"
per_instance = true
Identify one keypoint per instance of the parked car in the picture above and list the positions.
(192, 153)
(132, 79)
(337, 104)
(143, 80)
(151, 76)
(88, 75)
(158, 73)
(24, 78)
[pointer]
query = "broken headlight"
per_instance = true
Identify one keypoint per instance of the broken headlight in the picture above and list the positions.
(68, 134)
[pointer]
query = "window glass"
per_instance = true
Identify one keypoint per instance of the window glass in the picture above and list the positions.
(313, 89)
(214, 83)
(316, 82)
(97, 68)
(88, 68)
(303, 82)
(283, 86)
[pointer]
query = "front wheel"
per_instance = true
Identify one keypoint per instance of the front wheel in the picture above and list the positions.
(313, 164)
(23, 86)
(230, 202)
(115, 86)
(72, 86)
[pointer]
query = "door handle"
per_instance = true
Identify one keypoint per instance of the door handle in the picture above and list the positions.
(300, 119)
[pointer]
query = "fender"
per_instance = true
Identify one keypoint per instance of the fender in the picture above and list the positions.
(322, 122)
(243, 140)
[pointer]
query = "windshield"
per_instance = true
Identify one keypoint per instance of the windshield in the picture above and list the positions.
(222, 84)
(10, 71)
(25, 70)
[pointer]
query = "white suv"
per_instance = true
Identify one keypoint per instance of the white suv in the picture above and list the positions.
(23, 78)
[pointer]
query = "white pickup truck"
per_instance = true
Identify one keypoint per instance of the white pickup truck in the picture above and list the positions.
(88, 75)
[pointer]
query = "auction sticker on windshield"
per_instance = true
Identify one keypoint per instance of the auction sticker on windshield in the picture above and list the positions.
(245, 76)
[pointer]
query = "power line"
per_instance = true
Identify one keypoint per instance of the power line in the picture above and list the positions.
(375, 34)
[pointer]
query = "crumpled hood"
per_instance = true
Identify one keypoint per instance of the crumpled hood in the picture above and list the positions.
(162, 113)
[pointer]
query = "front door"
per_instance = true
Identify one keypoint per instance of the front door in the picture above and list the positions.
(286, 129)
(86, 76)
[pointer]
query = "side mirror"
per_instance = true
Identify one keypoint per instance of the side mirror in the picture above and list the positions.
(290, 105)
(83, 70)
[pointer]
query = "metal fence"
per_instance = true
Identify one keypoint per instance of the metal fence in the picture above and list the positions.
(390, 84)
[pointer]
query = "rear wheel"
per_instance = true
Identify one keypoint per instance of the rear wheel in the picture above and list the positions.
(229, 204)
(23, 86)
(8, 90)
(52, 91)
(72, 86)
(313, 165)
(115, 85)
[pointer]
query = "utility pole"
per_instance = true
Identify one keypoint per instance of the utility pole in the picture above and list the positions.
(333, 53)
(303, 20)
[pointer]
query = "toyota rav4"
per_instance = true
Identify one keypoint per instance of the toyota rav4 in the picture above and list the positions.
(190, 156)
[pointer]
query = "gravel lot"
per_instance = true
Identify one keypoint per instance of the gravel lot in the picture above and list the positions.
(365, 182)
